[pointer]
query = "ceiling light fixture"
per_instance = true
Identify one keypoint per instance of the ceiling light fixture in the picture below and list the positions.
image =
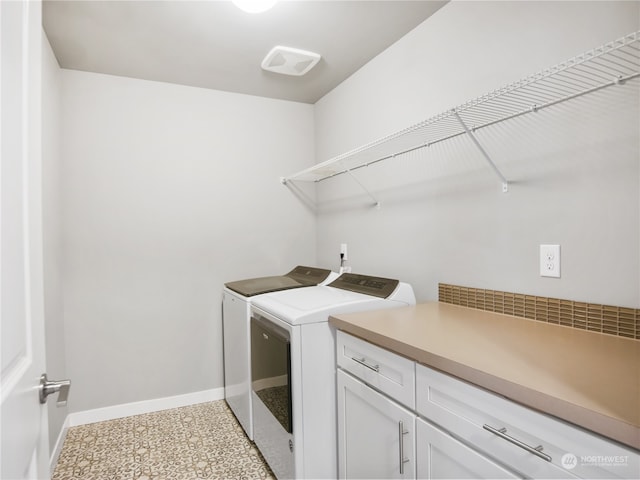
(254, 6)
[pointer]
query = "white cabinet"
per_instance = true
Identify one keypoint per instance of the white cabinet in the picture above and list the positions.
(375, 434)
(379, 433)
(440, 456)
(453, 429)
(530, 443)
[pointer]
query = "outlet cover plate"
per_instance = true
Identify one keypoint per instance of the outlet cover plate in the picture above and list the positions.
(550, 261)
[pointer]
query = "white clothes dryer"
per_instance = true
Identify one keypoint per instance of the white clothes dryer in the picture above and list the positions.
(293, 369)
(236, 300)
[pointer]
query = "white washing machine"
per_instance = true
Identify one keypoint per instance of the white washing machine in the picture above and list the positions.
(293, 385)
(236, 300)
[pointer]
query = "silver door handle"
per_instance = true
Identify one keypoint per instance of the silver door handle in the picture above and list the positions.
(401, 433)
(47, 387)
(361, 361)
(502, 433)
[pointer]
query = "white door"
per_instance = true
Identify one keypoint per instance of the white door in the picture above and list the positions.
(375, 435)
(440, 456)
(23, 421)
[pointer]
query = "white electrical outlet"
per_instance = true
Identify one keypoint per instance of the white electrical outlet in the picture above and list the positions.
(344, 265)
(550, 261)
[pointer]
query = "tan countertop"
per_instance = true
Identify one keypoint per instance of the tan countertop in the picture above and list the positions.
(586, 378)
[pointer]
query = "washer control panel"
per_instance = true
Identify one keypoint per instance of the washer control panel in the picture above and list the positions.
(376, 286)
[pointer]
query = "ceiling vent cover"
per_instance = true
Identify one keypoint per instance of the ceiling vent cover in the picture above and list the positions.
(290, 61)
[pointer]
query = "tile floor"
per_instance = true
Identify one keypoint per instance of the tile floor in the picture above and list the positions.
(198, 441)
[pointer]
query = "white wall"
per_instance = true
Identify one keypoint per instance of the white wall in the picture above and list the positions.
(169, 192)
(575, 168)
(52, 232)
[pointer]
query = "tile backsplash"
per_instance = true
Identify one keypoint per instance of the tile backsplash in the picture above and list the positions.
(621, 321)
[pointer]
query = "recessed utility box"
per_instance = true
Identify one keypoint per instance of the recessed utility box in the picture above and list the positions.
(290, 61)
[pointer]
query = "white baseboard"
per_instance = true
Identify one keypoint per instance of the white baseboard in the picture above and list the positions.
(55, 454)
(146, 406)
(127, 409)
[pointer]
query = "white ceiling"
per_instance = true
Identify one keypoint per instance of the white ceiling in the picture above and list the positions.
(213, 44)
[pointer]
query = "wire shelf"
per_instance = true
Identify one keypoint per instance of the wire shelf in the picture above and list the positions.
(611, 64)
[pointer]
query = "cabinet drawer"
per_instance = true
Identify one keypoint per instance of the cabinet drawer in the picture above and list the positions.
(513, 434)
(386, 371)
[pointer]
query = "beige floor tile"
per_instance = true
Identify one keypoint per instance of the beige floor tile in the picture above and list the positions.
(198, 441)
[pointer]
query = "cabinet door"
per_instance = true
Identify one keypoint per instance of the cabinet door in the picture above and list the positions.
(375, 435)
(441, 456)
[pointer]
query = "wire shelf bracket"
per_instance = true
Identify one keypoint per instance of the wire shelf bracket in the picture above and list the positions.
(612, 64)
(376, 202)
(505, 183)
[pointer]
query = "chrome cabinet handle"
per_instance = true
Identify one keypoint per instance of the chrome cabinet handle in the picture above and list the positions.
(401, 433)
(361, 361)
(502, 433)
(47, 387)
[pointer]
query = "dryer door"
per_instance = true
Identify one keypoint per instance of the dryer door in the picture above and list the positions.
(271, 369)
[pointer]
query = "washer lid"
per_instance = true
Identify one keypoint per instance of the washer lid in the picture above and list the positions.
(315, 304)
(300, 276)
